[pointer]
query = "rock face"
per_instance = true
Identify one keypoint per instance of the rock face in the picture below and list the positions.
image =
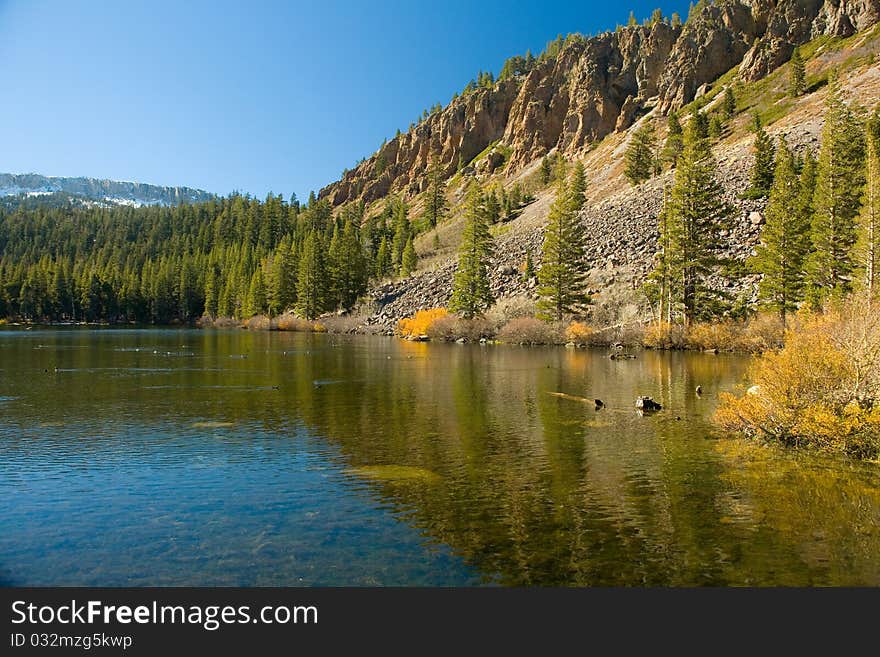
(600, 85)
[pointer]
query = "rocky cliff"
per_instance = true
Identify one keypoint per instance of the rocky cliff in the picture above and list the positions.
(599, 85)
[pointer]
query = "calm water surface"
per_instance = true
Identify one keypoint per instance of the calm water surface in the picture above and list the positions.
(166, 457)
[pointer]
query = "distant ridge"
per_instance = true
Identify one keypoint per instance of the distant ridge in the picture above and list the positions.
(31, 186)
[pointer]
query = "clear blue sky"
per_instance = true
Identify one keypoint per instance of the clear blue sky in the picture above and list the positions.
(252, 96)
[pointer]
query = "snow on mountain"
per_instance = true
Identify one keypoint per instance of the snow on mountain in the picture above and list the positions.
(103, 192)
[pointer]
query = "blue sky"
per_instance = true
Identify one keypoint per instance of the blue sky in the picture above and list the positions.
(254, 96)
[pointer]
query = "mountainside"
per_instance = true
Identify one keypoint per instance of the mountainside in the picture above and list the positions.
(596, 86)
(85, 190)
(622, 219)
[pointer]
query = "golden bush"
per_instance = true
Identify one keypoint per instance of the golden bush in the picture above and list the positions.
(821, 390)
(663, 335)
(418, 324)
(579, 333)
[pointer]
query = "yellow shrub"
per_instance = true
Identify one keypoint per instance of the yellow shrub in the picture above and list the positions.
(579, 333)
(418, 324)
(663, 335)
(290, 322)
(822, 389)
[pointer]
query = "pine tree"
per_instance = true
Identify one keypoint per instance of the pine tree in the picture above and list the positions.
(471, 294)
(311, 280)
(401, 232)
(797, 82)
(658, 287)
(674, 140)
(640, 156)
(695, 214)
(699, 123)
(785, 240)
(212, 291)
(256, 297)
(492, 207)
(868, 244)
(282, 285)
(435, 201)
(761, 178)
(716, 128)
(729, 105)
(529, 269)
(546, 170)
(351, 267)
(839, 181)
(410, 259)
(383, 259)
(564, 267)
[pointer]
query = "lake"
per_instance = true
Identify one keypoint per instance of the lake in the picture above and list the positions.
(187, 457)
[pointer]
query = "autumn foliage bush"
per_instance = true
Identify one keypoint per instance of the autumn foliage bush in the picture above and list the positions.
(821, 390)
(290, 322)
(663, 335)
(579, 333)
(418, 324)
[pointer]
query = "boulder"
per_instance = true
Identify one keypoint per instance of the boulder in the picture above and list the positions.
(646, 404)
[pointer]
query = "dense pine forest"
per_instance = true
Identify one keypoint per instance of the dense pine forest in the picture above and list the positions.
(234, 257)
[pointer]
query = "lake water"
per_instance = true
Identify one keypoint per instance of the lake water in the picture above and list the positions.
(186, 457)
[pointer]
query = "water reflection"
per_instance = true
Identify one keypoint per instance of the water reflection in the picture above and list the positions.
(240, 458)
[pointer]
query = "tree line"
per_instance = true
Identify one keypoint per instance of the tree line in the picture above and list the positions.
(231, 257)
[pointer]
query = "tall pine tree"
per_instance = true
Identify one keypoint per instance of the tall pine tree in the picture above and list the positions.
(694, 216)
(839, 181)
(640, 156)
(564, 267)
(797, 81)
(471, 294)
(868, 244)
(785, 240)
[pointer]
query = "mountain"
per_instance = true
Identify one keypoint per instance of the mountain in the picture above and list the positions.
(585, 104)
(19, 188)
(600, 85)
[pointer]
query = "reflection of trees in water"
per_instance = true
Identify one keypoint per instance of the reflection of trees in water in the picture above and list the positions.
(533, 488)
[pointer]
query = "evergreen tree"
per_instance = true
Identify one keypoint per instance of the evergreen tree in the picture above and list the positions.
(546, 170)
(658, 287)
(471, 294)
(529, 270)
(640, 156)
(728, 106)
(435, 201)
(715, 127)
(311, 280)
(401, 232)
(383, 259)
(256, 297)
(674, 140)
(282, 284)
(868, 244)
(761, 178)
(212, 291)
(785, 240)
(492, 207)
(839, 181)
(694, 216)
(409, 260)
(564, 267)
(699, 123)
(352, 268)
(797, 82)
